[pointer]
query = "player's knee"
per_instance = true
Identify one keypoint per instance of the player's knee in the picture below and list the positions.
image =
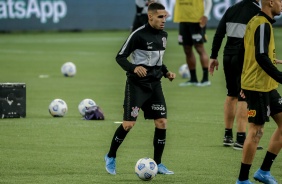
(280, 130)
(200, 48)
(161, 123)
(188, 50)
(128, 125)
(231, 97)
(257, 133)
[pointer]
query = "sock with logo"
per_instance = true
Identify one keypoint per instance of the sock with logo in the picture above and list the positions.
(159, 144)
(228, 132)
(118, 138)
(244, 172)
(267, 162)
(205, 74)
(193, 76)
(241, 136)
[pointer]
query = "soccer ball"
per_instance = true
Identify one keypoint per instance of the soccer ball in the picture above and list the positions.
(58, 108)
(146, 169)
(68, 69)
(86, 103)
(184, 71)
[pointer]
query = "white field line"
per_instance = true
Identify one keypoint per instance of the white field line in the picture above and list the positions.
(39, 52)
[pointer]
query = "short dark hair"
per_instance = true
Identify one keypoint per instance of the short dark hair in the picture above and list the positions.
(155, 7)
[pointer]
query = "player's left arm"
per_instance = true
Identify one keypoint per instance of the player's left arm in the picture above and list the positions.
(168, 74)
(262, 39)
(278, 61)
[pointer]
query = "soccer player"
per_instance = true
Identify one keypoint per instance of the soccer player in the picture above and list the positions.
(192, 16)
(259, 81)
(233, 24)
(143, 88)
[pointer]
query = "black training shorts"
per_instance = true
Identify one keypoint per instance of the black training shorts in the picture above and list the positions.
(232, 71)
(191, 33)
(146, 96)
(261, 105)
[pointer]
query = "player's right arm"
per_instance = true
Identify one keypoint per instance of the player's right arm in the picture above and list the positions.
(216, 44)
(128, 47)
(140, 71)
(213, 63)
(218, 36)
(125, 51)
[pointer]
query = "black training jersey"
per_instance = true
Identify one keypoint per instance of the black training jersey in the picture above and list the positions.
(233, 24)
(146, 46)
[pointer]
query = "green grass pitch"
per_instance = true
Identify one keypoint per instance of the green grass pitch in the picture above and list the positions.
(43, 149)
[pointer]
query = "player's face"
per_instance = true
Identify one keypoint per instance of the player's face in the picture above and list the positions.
(277, 7)
(158, 19)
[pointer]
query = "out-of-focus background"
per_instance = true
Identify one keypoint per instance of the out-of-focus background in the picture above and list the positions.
(38, 36)
(28, 15)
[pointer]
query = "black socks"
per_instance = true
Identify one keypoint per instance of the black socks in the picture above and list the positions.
(244, 172)
(205, 74)
(159, 144)
(228, 132)
(241, 136)
(193, 76)
(118, 138)
(267, 162)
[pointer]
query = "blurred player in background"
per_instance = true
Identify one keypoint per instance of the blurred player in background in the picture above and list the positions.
(233, 24)
(259, 82)
(143, 88)
(141, 16)
(192, 16)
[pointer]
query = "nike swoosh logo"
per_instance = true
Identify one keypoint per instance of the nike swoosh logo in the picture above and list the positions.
(149, 43)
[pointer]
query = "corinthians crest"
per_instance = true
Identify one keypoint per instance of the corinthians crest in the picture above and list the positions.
(134, 112)
(280, 101)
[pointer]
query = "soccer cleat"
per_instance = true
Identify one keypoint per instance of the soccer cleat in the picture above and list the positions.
(163, 170)
(189, 83)
(228, 141)
(239, 146)
(110, 164)
(243, 182)
(204, 83)
(264, 177)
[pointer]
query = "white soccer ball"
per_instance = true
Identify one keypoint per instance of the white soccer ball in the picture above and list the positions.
(68, 69)
(184, 71)
(86, 103)
(146, 169)
(58, 108)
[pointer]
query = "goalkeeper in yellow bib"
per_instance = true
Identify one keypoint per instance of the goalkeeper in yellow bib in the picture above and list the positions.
(259, 81)
(192, 16)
